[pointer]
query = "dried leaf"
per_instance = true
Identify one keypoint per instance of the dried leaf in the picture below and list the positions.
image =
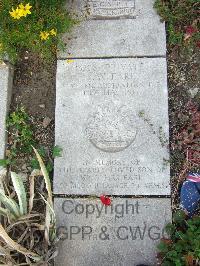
(15, 246)
(46, 177)
(189, 260)
(23, 219)
(167, 241)
(6, 253)
(35, 173)
(50, 221)
(32, 192)
(47, 225)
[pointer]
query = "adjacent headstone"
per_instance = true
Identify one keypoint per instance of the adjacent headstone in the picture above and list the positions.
(125, 233)
(6, 79)
(112, 123)
(112, 28)
(111, 9)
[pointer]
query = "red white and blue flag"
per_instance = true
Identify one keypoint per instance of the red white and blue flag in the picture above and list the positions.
(194, 177)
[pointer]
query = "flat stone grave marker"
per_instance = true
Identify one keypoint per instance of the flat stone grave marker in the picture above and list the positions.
(125, 233)
(112, 123)
(110, 28)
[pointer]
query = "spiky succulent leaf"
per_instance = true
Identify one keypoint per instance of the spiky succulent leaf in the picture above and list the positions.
(21, 192)
(10, 204)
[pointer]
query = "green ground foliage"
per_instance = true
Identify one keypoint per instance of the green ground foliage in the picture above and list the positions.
(21, 139)
(182, 17)
(33, 25)
(183, 247)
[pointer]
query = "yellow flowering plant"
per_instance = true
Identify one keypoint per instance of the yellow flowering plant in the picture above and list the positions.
(20, 11)
(44, 35)
(32, 25)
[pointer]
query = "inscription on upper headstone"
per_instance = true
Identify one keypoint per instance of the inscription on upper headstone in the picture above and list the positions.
(111, 8)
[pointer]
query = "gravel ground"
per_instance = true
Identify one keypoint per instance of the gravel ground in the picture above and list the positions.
(184, 101)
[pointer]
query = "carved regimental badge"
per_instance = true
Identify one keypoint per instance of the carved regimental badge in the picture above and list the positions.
(112, 128)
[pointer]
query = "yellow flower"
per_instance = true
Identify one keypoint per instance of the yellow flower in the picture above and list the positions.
(25, 9)
(21, 6)
(69, 61)
(53, 32)
(16, 13)
(20, 11)
(44, 35)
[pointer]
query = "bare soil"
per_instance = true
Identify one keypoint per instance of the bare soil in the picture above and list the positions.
(35, 89)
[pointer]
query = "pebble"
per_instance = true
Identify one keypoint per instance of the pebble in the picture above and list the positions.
(46, 122)
(194, 91)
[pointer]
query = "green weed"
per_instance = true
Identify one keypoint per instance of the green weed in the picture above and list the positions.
(21, 133)
(34, 25)
(183, 247)
(182, 21)
(21, 139)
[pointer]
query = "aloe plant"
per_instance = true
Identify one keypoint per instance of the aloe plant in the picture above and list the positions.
(14, 210)
(19, 212)
(50, 220)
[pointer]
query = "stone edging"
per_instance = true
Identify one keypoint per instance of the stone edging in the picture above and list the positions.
(6, 83)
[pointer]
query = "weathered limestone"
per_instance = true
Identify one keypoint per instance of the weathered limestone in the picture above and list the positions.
(115, 29)
(6, 79)
(112, 9)
(112, 123)
(125, 233)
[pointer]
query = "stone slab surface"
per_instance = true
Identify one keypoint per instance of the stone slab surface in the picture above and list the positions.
(112, 9)
(124, 234)
(6, 79)
(112, 123)
(141, 33)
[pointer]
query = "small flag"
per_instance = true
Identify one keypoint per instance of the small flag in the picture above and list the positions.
(194, 177)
